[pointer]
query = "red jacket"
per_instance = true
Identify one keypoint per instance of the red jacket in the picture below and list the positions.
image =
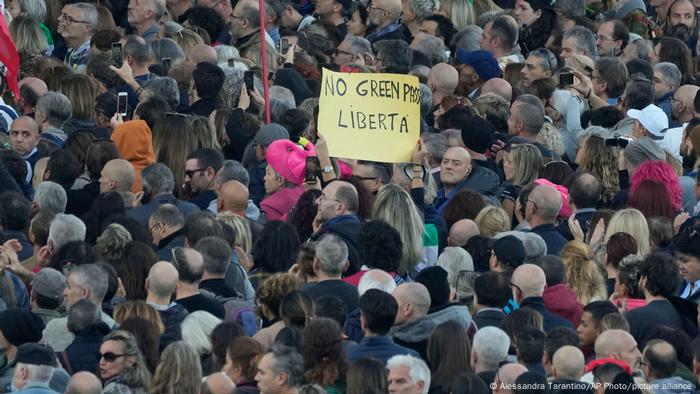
(561, 300)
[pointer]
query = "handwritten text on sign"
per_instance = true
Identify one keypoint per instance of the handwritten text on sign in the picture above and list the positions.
(370, 116)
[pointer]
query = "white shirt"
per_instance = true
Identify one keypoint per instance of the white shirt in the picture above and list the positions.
(686, 291)
(672, 141)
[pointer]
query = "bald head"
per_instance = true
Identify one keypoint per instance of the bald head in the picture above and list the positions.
(84, 383)
(376, 279)
(200, 54)
(660, 359)
(24, 134)
(443, 78)
(685, 95)
(508, 373)
(568, 363)
(618, 344)
(413, 299)
(499, 87)
(117, 175)
(189, 266)
(218, 383)
(37, 85)
(162, 279)
(462, 231)
(233, 197)
(392, 7)
(547, 203)
(530, 279)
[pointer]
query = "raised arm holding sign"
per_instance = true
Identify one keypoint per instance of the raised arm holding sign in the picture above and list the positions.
(372, 117)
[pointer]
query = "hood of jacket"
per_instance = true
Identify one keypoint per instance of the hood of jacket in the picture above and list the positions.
(173, 315)
(561, 300)
(483, 180)
(456, 312)
(134, 143)
(673, 385)
(75, 124)
(416, 330)
(624, 8)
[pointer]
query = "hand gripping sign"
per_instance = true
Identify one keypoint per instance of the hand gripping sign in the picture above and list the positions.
(372, 117)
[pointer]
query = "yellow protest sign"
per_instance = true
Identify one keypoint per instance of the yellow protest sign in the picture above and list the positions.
(370, 116)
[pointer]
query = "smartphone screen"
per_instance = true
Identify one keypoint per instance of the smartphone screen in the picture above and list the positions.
(313, 169)
(284, 45)
(122, 103)
(249, 78)
(117, 54)
(566, 79)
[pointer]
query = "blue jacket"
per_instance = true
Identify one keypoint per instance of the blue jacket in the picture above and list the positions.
(37, 388)
(554, 240)
(142, 213)
(81, 353)
(481, 180)
(550, 320)
(382, 348)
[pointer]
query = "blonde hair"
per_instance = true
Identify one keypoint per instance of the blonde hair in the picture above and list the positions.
(171, 128)
(198, 326)
(492, 220)
(455, 260)
(582, 273)
(528, 163)
(613, 321)
(244, 237)
(179, 371)
(550, 136)
(82, 91)
(137, 375)
(204, 133)
(187, 39)
(464, 13)
(141, 309)
(39, 169)
(632, 222)
(27, 35)
(394, 206)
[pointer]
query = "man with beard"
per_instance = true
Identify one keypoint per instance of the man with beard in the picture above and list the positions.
(681, 23)
(384, 17)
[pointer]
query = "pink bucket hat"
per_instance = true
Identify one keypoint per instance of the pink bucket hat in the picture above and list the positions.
(565, 210)
(289, 159)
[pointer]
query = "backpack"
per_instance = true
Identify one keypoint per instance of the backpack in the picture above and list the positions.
(239, 310)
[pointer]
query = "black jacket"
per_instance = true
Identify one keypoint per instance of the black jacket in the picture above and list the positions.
(348, 228)
(489, 317)
(172, 320)
(166, 245)
(584, 220)
(204, 107)
(550, 320)
(80, 201)
(81, 355)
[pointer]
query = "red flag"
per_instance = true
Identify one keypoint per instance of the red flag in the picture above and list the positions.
(9, 57)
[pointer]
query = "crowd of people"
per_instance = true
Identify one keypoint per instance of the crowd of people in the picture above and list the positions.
(163, 233)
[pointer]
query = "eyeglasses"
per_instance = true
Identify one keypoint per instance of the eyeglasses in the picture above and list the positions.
(511, 284)
(603, 38)
(109, 356)
(374, 7)
(190, 173)
(150, 229)
(237, 17)
(323, 197)
(69, 20)
(174, 251)
(533, 203)
(216, 4)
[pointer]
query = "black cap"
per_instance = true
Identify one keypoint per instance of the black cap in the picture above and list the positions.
(509, 250)
(35, 354)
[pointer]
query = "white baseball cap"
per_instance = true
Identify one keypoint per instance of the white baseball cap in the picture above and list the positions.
(653, 119)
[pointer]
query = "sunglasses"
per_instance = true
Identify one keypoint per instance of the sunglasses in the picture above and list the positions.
(109, 356)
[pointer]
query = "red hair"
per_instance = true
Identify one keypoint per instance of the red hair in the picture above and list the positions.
(663, 173)
(651, 198)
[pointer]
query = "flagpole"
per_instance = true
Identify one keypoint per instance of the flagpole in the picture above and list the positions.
(263, 48)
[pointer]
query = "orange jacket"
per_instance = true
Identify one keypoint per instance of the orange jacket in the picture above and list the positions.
(135, 144)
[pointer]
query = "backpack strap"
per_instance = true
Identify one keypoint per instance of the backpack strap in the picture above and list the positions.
(66, 362)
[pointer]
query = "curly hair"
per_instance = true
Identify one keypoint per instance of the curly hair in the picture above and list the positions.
(582, 273)
(663, 173)
(662, 274)
(550, 137)
(380, 246)
(628, 275)
(323, 353)
(601, 162)
(271, 292)
(303, 213)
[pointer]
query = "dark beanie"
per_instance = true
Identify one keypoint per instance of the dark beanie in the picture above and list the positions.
(477, 134)
(435, 280)
(20, 326)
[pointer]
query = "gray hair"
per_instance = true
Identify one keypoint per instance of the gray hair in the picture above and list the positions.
(332, 254)
(530, 112)
(51, 196)
(671, 73)
(158, 9)
(644, 49)
(165, 88)
(436, 145)
(65, 228)
(417, 369)
(281, 100)
(93, 278)
(423, 8)
(199, 325)
(491, 346)
(572, 7)
(38, 373)
(432, 47)
(585, 40)
(166, 48)
(358, 45)
(83, 315)
(90, 15)
(289, 361)
(468, 38)
(426, 100)
(233, 170)
(158, 179)
(376, 279)
(252, 14)
(216, 254)
(226, 52)
(455, 260)
(169, 215)
(35, 9)
(639, 92)
(56, 107)
(486, 17)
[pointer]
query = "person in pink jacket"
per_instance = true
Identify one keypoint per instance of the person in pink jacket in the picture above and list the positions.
(284, 176)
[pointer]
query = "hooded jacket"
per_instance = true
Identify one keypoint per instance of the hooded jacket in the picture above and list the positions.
(172, 320)
(134, 143)
(80, 355)
(561, 300)
(86, 124)
(481, 180)
(414, 334)
(348, 228)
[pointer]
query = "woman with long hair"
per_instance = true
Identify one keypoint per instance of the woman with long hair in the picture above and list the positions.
(521, 165)
(30, 42)
(242, 356)
(652, 199)
(174, 127)
(448, 353)
(324, 356)
(366, 375)
(122, 366)
(275, 250)
(82, 92)
(395, 207)
(537, 21)
(198, 327)
(673, 50)
(147, 336)
(178, 372)
(582, 273)
(602, 162)
(619, 246)
(632, 222)
(663, 173)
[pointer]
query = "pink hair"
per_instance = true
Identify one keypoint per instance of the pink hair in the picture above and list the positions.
(661, 172)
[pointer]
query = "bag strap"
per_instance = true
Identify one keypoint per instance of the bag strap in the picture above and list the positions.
(66, 362)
